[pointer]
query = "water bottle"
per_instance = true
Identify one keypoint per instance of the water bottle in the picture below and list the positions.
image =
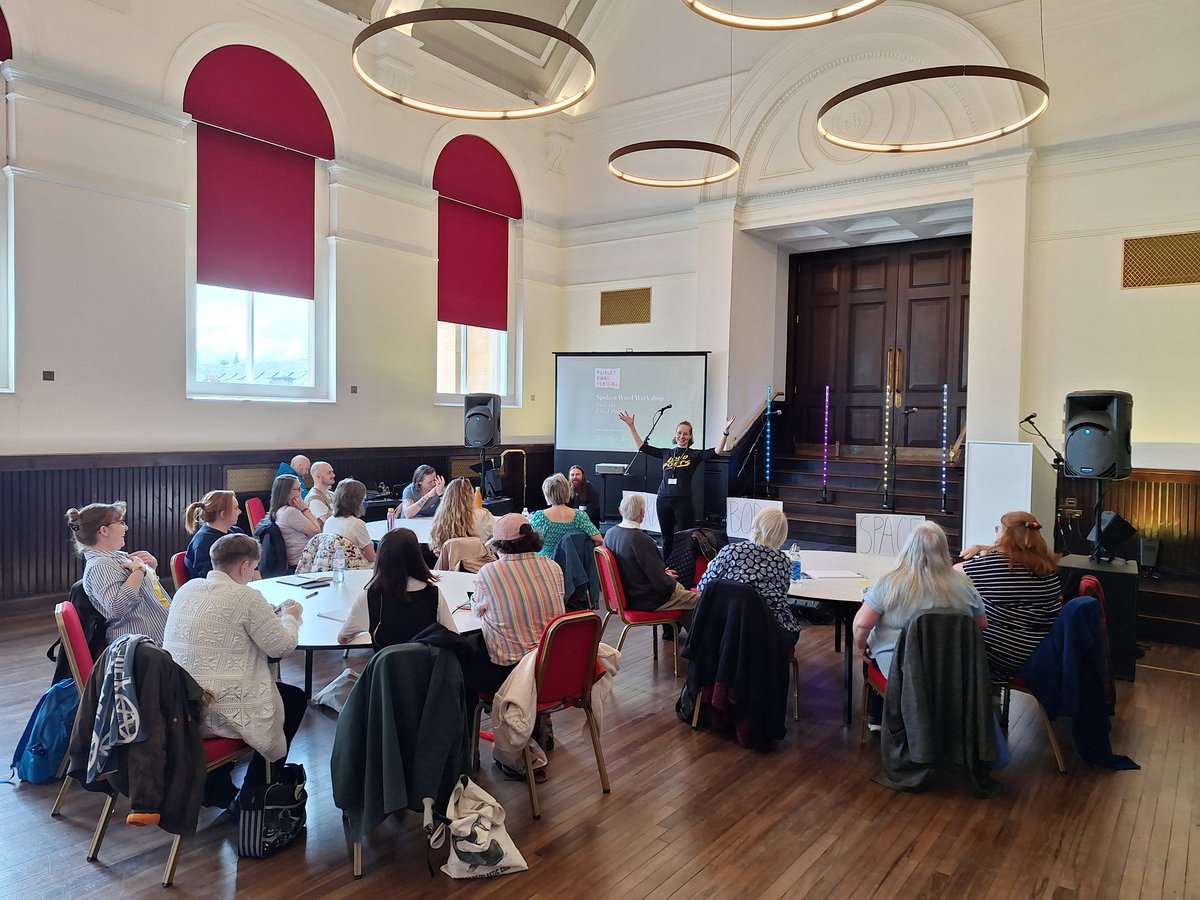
(525, 512)
(794, 556)
(339, 565)
(391, 518)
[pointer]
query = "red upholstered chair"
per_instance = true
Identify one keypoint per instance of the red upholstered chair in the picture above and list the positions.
(565, 672)
(614, 597)
(217, 752)
(179, 570)
(79, 657)
(255, 511)
(873, 680)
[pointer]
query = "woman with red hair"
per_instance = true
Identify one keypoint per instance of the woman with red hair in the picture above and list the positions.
(1018, 579)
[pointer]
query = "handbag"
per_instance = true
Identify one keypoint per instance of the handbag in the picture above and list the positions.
(480, 846)
(271, 816)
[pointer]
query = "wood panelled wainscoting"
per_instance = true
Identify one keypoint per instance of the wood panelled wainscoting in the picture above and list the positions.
(37, 558)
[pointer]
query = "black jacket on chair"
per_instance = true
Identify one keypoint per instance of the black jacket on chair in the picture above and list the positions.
(938, 708)
(737, 651)
(95, 632)
(273, 562)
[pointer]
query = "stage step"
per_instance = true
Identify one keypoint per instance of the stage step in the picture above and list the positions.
(1169, 611)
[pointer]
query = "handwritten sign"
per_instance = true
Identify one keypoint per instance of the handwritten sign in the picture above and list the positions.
(883, 534)
(740, 513)
(650, 523)
(608, 378)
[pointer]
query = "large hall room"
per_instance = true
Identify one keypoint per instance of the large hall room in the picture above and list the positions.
(597, 418)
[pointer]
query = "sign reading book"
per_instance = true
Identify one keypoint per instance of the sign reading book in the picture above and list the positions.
(740, 513)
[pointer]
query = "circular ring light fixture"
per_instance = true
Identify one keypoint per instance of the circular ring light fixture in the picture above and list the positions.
(925, 75)
(495, 17)
(783, 23)
(702, 146)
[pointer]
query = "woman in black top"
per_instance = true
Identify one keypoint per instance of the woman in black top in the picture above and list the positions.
(674, 505)
(402, 598)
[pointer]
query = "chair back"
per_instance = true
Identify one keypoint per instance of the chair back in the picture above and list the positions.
(74, 643)
(575, 557)
(465, 554)
(566, 660)
(319, 552)
(255, 511)
(179, 570)
(610, 581)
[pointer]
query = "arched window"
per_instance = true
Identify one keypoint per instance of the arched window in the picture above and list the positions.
(7, 335)
(478, 200)
(259, 324)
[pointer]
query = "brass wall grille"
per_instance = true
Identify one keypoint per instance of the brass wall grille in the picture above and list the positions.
(1161, 260)
(630, 307)
(249, 479)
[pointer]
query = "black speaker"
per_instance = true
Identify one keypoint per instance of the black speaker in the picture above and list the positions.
(1098, 426)
(1109, 539)
(481, 420)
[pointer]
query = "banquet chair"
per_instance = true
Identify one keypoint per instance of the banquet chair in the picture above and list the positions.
(255, 511)
(873, 680)
(565, 671)
(614, 597)
(79, 657)
(1017, 683)
(179, 570)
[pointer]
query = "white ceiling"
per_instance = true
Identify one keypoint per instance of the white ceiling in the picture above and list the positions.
(918, 223)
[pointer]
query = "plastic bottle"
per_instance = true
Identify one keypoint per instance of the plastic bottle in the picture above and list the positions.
(339, 565)
(478, 498)
(794, 556)
(391, 518)
(525, 512)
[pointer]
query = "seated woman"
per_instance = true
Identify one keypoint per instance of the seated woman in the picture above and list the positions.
(923, 579)
(1018, 579)
(206, 521)
(458, 517)
(559, 519)
(423, 494)
(761, 564)
(122, 586)
(346, 521)
(515, 597)
(402, 598)
(290, 513)
(224, 633)
(583, 495)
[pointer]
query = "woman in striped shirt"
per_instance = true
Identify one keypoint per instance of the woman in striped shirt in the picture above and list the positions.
(1018, 579)
(122, 586)
(515, 597)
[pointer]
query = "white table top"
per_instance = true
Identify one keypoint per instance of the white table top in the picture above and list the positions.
(421, 526)
(844, 590)
(321, 631)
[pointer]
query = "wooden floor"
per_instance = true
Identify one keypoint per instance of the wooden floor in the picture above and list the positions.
(690, 814)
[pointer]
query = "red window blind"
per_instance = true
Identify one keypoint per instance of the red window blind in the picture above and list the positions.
(478, 197)
(5, 38)
(259, 127)
(254, 215)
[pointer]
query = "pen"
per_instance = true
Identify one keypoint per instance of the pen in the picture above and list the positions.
(310, 596)
(463, 606)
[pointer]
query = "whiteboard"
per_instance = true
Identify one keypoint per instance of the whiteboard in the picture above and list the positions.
(998, 479)
(740, 513)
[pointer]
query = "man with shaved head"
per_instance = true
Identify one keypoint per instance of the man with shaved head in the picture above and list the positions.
(320, 498)
(299, 467)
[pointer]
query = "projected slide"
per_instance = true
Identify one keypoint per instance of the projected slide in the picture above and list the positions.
(592, 388)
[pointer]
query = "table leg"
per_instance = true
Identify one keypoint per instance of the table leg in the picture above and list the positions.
(308, 663)
(847, 675)
(837, 634)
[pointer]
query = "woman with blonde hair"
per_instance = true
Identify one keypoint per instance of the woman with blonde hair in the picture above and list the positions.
(1018, 579)
(458, 517)
(558, 519)
(759, 563)
(122, 586)
(923, 579)
(207, 521)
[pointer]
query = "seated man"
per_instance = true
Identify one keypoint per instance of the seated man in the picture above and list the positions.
(583, 495)
(320, 496)
(223, 632)
(299, 467)
(648, 586)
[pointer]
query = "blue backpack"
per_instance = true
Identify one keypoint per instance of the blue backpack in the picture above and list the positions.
(41, 749)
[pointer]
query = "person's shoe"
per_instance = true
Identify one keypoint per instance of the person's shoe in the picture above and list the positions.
(539, 775)
(222, 794)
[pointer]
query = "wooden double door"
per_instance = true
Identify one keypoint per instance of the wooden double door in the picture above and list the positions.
(872, 318)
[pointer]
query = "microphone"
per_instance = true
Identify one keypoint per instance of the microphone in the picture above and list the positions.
(774, 412)
(665, 408)
(1029, 418)
(909, 410)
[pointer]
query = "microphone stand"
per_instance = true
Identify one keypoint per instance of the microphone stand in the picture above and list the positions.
(753, 454)
(1057, 464)
(645, 458)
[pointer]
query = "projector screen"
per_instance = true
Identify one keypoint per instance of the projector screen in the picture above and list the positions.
(591, 388)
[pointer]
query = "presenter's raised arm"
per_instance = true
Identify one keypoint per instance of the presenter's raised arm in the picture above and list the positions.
(720, 448)
(628, 420)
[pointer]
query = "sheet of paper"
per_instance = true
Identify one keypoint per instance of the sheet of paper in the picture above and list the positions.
(818, 574)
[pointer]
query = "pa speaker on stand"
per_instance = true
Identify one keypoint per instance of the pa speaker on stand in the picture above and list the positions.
(1098, 427)
(481, 420)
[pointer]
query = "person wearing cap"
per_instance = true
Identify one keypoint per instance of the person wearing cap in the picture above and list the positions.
(1018, 579)
(515, 597)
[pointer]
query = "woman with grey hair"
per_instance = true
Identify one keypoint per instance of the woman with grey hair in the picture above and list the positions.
(759, 563)
(558, 519)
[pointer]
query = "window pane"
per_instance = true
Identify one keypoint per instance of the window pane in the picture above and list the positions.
(222, 342)
(486, 368)
(448, 341)
(282, 340)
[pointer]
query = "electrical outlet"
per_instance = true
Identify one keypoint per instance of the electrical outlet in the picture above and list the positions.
(1070, 502)
(1072, 513)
